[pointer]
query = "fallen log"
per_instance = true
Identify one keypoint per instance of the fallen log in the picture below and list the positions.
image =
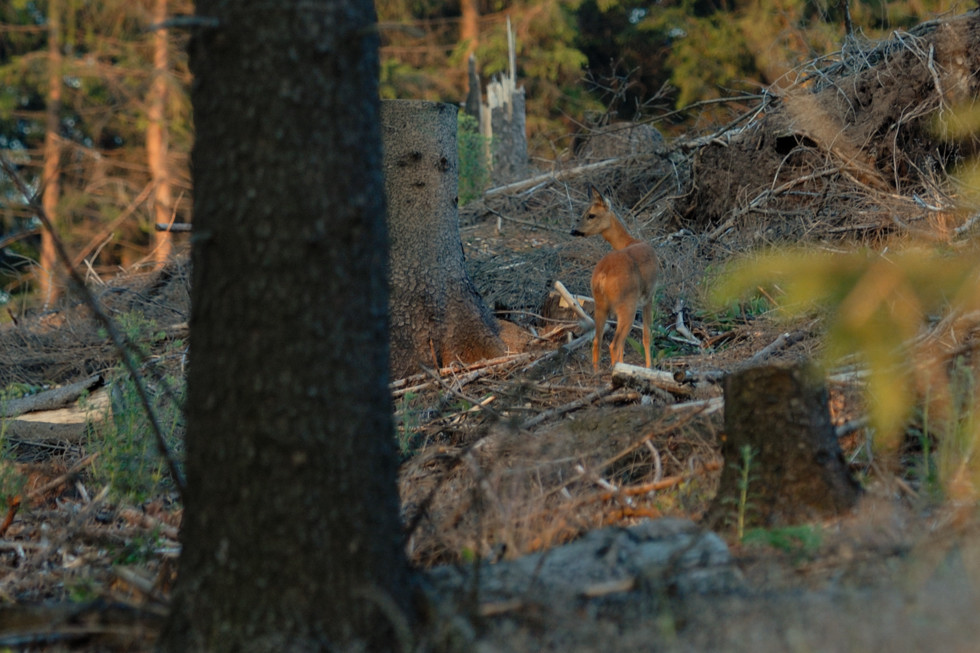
(56, 425)
(50, 399)
(645, 379)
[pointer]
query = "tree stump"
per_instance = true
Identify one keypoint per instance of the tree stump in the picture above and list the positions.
(797, 471)
(509, 145)
(437, 315)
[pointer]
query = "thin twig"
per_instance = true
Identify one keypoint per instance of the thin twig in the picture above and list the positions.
(71, 473)
(526, 223)
(784, 340)
(452, 369)
(704, 103)
(566, 408)
(94, 242)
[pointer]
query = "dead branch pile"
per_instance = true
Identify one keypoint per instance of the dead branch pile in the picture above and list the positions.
(502, 490)
(65, 345)
(855, 148)
(850, 153)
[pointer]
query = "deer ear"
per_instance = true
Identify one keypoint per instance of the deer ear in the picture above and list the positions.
(599, 198)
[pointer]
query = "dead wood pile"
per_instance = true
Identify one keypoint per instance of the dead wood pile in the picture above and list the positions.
(65, 345)
(854, 150)
(851, 153)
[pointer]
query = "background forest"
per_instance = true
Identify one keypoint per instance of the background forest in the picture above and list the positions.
(94, 106)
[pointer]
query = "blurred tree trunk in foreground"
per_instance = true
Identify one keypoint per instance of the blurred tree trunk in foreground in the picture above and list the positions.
(291, 536)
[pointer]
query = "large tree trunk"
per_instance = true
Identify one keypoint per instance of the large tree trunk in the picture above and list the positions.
(437, 316)
(50, 178)
(156, 137)
(291, 535)
(797, 471)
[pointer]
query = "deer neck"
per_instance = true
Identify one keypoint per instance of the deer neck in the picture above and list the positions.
(617, 236)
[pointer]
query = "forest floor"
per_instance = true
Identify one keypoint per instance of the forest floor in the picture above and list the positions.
(524, 454)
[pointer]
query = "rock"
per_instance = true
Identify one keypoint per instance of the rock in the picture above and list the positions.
(655, 555)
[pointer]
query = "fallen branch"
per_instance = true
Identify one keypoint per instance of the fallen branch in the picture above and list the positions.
(682, 329)
(69, 424)
(699, 376)
(50, 399)
(176, 226)
(653, 486)
(702, 406)
(557, 175)
(784, 340)
(643, 379)
(567, 408)
(572, 302)
(605, 588)
(459, 382)
(64, 478)
(145, 521)
(451, 369)
(557, 356)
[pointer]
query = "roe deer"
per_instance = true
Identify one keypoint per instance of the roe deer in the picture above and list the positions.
(622, 280)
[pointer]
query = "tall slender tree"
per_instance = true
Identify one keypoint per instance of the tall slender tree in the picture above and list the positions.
(291, 537)
(51, 177)
(469, 27)
(102, 84)
(157, 136)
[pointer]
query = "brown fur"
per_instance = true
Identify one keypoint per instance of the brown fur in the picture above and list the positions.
(623, 279)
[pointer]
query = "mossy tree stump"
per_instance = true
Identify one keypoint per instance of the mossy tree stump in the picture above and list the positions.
(797, 470)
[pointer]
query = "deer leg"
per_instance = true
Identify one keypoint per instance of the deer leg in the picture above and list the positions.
(601, 311)
(625, 313)
(647, 325)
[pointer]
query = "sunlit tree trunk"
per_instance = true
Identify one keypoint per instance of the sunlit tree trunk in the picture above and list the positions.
(156, 137)
(50, 181)
(469, 30)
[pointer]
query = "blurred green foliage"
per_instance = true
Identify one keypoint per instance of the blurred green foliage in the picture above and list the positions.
(875, 305)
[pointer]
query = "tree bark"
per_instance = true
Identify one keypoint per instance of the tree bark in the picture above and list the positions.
(437, 316)
(509, 135)
(50, 177)
(291, 536)
(156, 138)
(505, 113)
(797, 471)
